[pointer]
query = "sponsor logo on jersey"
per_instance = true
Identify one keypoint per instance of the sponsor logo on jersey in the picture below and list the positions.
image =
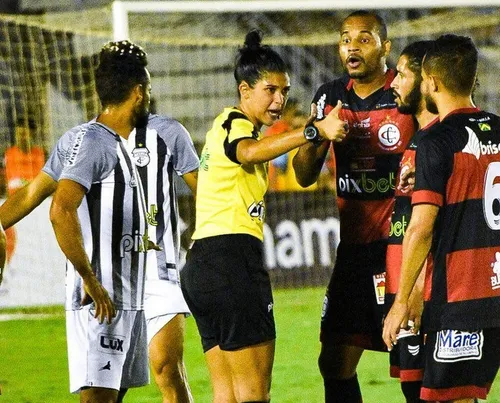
(111, 344)
(495, 279)
(131, 243)
(257, 210)
(75, 148)
(151, 215)
(457, 345)
(365, 184)
(141, 156)
(363, 124)
(398, 228)
(484, 127)
(489, 148)
(413, 350)
(321, 107)
(389, 136)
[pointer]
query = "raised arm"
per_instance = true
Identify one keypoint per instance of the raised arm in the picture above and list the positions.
(309, 160)
(25, 200)
(64, 218)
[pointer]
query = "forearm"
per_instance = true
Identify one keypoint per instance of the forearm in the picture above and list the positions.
(308, 161)
(416, 245)
(69, 237)
(270, 147)
(25, 200)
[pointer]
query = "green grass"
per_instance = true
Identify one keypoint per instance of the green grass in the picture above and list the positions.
(33, 362)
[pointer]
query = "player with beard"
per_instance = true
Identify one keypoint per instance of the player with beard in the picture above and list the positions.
(366, 164)
(157, 149)
(100, 226)
(455, 217)
(406, 357)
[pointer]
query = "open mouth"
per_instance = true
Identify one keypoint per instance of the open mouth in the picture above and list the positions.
(275, 113)
(354, 61)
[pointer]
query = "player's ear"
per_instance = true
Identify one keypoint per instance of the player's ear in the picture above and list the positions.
(138, 92)
(244, 89)
(387, 47)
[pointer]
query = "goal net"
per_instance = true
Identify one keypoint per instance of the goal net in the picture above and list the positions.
(47, 83)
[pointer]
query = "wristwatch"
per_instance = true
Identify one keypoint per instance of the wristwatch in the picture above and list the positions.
(311, 134)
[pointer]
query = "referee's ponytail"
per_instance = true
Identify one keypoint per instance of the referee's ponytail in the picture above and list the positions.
(255, 60)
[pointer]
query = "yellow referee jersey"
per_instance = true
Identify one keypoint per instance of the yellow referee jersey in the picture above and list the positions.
(229, 196)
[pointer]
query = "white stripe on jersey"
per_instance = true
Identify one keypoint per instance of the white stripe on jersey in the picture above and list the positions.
(161, 265)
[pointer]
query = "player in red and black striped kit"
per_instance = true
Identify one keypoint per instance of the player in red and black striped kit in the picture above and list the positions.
(406, 358)
(366, 164)
(456, 216)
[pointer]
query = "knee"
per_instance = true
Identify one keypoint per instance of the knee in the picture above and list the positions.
(337, 363)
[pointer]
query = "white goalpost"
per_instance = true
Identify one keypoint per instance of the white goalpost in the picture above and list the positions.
(121, 9)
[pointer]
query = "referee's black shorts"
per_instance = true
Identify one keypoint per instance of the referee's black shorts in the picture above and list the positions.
(229, 292)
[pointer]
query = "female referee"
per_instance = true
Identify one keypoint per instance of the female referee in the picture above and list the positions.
(224, 281)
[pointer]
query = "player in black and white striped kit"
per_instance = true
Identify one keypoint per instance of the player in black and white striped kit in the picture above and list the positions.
(159, 150)
(99, 220)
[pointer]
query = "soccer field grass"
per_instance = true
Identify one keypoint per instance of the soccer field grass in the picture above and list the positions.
(33, 362)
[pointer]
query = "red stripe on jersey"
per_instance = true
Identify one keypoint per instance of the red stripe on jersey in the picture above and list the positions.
(364, 221)
(469, 275)
(466, 181)
(427, 197)
(453, 393)
(411, 375)
(393, 267)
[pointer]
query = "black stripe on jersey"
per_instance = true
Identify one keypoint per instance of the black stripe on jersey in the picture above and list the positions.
(94, 207)
(173, 204)
(466, 227)
(117, 233)
(140, 141)
(160, 200)
(230, 147)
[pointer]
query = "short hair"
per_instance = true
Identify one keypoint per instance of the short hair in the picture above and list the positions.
(381, 25)
(453, 59)
(122, 66)
(415, 53)
(254, 60)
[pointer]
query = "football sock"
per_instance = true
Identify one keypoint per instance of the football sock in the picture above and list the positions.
(342, 390)
(411, 390)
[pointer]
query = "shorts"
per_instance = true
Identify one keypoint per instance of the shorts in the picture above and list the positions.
(163, 300)
(353, 307)
(228, 291)
(113, 356)
(154, 325)
(459, 364)
(407, 357)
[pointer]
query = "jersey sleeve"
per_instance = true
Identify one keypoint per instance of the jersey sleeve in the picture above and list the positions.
(55, 163)
(89, 160)
(434, 163)
(238, 128)
(185, 158)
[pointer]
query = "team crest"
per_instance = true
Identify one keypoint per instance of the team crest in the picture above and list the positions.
(389, 136)
(141, 156)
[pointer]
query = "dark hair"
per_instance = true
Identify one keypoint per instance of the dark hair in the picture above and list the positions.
(122, 66)
(453, 59)
(415, 53)
(381, 25)
(254, 60)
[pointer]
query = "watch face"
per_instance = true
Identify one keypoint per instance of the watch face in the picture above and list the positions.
(310, 132)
